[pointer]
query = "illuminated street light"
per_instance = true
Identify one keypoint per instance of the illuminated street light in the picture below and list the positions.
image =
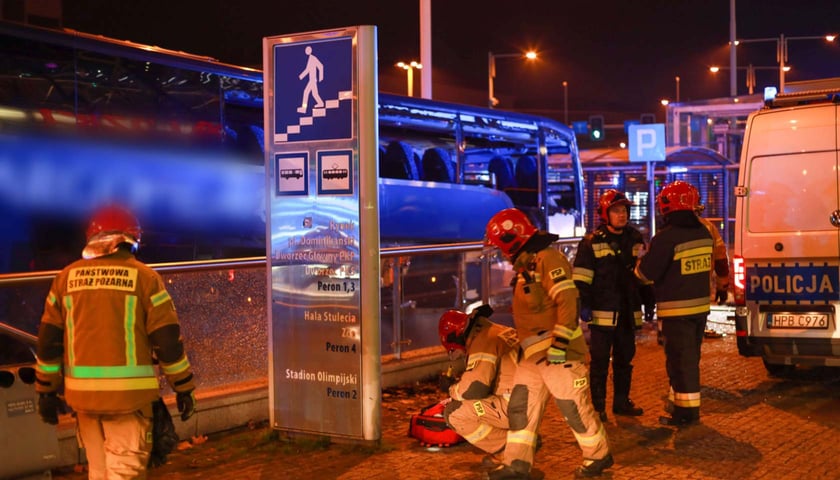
(409, 68)
(782, 50)
(677, 80)
(492, 101)
(750, 73)
(565, 102)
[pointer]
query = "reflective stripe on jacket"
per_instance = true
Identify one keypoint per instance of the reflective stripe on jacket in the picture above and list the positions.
(603, 273)
(545, 304)
(679, 262)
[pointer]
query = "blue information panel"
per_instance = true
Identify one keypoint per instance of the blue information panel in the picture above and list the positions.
(313, 82)
(323, 296)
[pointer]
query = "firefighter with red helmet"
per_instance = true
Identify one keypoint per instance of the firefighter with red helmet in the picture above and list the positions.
(611, 298)
(552, 349)
(678, 263)
(107, 319)
(479, 399)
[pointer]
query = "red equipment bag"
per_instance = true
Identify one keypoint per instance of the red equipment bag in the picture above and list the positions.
(431, 429)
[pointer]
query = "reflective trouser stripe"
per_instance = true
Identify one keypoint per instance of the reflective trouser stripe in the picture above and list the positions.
(687, 400)
(591, 441)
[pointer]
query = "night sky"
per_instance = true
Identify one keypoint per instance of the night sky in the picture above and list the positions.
(620, 57)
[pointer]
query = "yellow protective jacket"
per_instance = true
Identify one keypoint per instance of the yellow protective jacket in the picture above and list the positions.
(491, 362)
(104, 320)
(545, 304)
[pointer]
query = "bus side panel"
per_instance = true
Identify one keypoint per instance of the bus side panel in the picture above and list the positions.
(412, 212)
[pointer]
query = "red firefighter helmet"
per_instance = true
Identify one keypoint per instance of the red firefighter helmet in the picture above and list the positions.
(508, 230)
(114, 219)
(453, 324)
(699, 207)
(677, 196)
(608, 199)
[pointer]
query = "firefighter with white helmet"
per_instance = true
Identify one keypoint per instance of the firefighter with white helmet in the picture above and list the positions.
(611, 299)
(107, 319)
(479, 399)
(678, 263)
(552, 349)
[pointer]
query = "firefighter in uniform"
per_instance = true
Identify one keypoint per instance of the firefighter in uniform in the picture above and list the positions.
(678, 263)
(611, 298)
(479, 399)
(107, 318)
(552, 349)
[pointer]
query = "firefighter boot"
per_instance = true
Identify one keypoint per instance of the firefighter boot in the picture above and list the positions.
(505, 472)
(622, 405)
(682, 417)
(625, 406)
(594, 468)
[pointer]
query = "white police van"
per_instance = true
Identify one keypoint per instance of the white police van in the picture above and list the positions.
(786, 262)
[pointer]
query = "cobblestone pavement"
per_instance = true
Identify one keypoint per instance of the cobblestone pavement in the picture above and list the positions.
(753, 427)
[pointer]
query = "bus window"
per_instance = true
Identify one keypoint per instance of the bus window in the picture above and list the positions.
(179, 139)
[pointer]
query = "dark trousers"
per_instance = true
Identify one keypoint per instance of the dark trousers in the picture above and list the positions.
(618, 342)
(683, 339)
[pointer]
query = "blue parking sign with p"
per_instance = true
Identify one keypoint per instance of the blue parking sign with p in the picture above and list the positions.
(647, 142)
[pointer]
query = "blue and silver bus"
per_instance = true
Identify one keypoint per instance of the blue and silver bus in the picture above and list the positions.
(87, 120)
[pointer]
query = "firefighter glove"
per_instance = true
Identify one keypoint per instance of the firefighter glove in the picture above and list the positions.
(445, 381)
(555, 355)
(48, 407)
(721, 296)
(186, 404)
(586, 314)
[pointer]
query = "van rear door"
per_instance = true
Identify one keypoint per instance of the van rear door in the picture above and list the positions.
(790, 247)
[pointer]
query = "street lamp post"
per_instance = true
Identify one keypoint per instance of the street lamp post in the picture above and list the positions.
(492, 101)
(750, 73)
(409, 68)
(782, 50)
(677, 80)
(565, 102)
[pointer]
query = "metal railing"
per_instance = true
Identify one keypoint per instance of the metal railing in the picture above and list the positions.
(215, 309)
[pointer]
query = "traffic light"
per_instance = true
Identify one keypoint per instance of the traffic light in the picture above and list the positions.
(596, 127)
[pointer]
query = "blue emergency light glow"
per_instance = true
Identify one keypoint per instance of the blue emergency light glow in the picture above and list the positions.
(770, 93)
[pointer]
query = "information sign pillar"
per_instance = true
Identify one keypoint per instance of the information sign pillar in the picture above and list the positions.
(322, 232)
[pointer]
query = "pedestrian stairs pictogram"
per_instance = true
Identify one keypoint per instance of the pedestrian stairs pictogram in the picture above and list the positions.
(309, 120)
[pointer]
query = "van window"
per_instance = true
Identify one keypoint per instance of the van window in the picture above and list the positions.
(789, 193)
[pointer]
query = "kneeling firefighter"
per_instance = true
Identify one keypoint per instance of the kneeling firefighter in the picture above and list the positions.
(479, 399)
